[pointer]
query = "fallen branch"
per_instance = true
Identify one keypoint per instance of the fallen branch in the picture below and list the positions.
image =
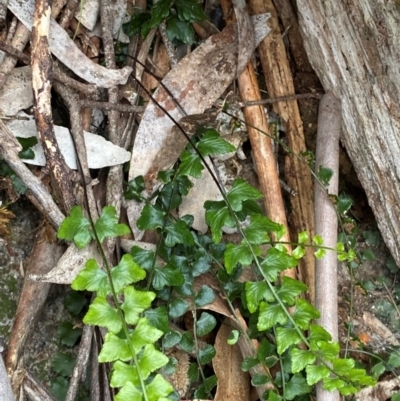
(279, 82)
(326, 225)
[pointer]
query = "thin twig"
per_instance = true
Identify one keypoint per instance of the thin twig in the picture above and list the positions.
(115, 175)
(57, 6)
(68, 13)
(19, 41)
(14, 52)
(81, 362)
(173, 59)
(72, 102)
(282, 99)
(86, 89)
(123, 108)
(11, 29)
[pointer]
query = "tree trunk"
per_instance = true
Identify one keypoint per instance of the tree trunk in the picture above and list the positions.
(353, 47)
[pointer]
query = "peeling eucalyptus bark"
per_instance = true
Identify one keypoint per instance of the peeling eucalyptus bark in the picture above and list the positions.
(353, 47)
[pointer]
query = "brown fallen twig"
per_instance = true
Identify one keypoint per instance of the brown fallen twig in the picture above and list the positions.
(279, 82)
(41, 61)
(286, 98)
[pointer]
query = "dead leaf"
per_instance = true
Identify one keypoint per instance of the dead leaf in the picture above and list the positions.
(95, 145)
(219, 305)
(233, 383)
(195, 83)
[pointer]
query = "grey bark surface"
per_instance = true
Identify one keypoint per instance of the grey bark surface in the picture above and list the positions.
(5, 386)
(353, 47)
(326, 224)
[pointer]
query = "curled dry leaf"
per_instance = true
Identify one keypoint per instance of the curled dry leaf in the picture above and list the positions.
(233, 383)
(63, 47)
(195, 83)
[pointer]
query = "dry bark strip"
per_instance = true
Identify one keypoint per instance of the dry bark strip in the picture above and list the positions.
(353, 47)
(72, 102)
(45, 254)
(41, 82)
(115, 176)
(326, 224)
(257, 128)
(279, 82)
(19, 41)
(263, 154)
(233, 383)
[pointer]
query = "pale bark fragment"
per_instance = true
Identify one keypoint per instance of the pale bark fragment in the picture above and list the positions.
(326, 224)
(263, 154)
(9, 148)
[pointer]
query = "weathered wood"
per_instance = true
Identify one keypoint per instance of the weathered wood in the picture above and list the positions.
(279, 82)
(41, 82)
(353, 47)
(326, 224)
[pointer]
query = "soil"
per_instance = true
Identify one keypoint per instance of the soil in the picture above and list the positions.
(43, 343)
